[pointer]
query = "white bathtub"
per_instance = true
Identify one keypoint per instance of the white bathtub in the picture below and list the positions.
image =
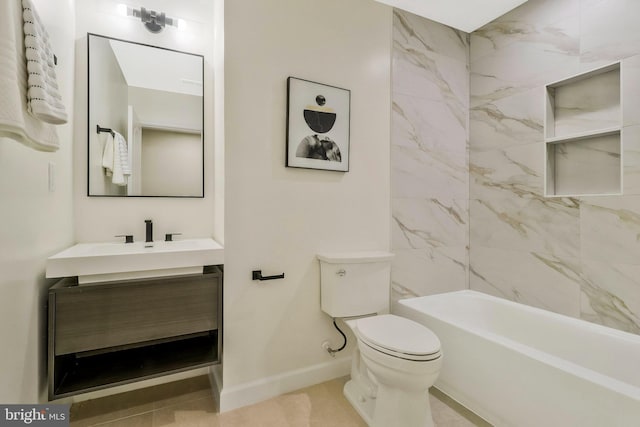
(516, 365)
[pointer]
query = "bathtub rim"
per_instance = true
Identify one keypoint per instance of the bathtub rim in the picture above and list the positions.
(557, 362)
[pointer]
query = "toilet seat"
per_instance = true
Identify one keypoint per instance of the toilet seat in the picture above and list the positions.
(398, 337)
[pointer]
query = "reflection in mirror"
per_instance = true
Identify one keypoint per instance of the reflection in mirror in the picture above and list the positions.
(145, 120)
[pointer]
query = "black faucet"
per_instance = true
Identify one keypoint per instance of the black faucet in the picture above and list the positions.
(149, 230)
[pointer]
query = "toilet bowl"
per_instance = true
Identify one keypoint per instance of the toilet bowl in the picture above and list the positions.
(396, 359)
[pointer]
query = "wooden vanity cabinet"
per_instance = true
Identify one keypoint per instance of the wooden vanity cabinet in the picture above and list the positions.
(113, 333)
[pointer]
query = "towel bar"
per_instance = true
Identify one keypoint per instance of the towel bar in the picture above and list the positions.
(257, 275)
(101, 129)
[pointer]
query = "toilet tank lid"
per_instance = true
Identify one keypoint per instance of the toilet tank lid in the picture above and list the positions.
(355, 257)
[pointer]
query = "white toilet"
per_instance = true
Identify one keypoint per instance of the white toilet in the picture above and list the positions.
(397, 359)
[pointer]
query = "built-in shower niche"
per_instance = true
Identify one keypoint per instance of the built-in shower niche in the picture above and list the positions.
(583, 122)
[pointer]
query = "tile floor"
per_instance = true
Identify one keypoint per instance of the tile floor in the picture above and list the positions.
(188, 403)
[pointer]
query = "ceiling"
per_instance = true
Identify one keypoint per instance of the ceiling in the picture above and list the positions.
(465, 15)
(159, 69)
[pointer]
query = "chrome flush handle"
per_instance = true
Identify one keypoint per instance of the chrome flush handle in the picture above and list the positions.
(342, 272)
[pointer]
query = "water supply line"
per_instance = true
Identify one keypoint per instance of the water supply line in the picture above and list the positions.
(332, 351)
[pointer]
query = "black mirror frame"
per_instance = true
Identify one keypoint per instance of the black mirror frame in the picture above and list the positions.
(89, 35)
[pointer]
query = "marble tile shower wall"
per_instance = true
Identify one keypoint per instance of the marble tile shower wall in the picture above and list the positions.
(578, 256)
(429, 157)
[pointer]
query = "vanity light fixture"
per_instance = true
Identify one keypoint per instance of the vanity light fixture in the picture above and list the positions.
(153, 21)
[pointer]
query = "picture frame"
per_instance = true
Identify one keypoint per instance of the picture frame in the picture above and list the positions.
(318, 126)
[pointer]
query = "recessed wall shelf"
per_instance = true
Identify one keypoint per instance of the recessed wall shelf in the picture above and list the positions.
(583, 122)
(584, 135)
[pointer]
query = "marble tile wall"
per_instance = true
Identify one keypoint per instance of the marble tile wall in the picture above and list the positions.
(429, 157)
(578, 256)
(468, 162)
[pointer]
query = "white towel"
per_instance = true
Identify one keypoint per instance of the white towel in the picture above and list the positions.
(107, 153)
(15, 122)
(115, 159)
(43, 98)
(123, 149)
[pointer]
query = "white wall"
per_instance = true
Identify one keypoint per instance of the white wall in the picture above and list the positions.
(100, 218)
(278, 218)
(108, 109)
(171, 109)
(167, 162)
(36, 223)
(216, 104)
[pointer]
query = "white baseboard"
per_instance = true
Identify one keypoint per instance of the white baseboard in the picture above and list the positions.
(256, 391)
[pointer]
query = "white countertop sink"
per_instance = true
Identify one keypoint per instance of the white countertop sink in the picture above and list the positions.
(96, 262)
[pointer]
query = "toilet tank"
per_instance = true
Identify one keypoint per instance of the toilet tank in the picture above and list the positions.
(355, 283)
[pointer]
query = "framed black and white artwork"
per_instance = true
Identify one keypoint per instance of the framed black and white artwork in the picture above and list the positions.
(317, 126)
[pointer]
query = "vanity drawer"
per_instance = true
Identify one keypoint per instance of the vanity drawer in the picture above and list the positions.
(121, 313)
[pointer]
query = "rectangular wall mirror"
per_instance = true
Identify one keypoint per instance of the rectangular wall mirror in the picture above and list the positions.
(145, 121)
